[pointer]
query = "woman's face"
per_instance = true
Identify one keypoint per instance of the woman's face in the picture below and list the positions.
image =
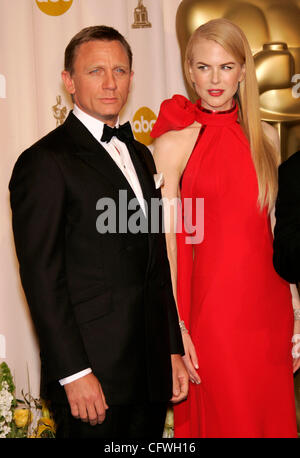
(215, 75)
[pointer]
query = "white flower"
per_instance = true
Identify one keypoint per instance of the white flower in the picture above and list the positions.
(6, 399)
(4, 431)
(8, 417)
(5, 402)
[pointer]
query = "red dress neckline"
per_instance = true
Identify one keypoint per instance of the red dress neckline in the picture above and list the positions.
(206, 110)
(179, 112)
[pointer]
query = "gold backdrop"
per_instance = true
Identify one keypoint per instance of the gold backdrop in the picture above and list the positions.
(273, 31)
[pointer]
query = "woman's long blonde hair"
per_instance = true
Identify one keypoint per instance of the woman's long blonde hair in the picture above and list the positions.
(264, 154)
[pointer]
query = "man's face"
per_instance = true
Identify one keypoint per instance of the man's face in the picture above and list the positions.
(101, 79)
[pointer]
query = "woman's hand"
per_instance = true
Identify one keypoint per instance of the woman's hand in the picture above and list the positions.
(296, 347)
(190, 358)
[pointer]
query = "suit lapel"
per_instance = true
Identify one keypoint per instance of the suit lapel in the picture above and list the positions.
(142, 171)
(93, 154)
(85, 146)
(145, 175)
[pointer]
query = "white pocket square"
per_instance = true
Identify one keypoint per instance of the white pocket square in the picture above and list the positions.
(158, 179)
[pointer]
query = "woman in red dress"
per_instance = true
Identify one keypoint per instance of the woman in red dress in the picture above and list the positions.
(235, 312)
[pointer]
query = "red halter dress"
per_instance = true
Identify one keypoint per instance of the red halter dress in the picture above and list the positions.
(237, 309)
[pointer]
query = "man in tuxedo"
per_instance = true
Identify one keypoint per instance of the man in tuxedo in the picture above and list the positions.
(286, 256)
(101, 300)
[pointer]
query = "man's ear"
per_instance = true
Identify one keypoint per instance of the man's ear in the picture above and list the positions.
(68, 81)
(131, 78)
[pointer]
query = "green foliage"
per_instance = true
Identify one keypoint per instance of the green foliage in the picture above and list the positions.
(5, 376)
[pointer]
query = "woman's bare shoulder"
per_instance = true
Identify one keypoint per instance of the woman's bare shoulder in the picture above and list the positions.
(173, 149)
(175, 138)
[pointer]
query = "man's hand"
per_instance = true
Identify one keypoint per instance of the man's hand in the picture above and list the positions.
(180, 379)
(86, 399)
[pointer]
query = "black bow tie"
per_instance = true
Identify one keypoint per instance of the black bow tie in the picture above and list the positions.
(123, 133)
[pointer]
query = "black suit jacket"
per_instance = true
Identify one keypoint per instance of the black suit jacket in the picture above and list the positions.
(287, 229)
(97, 300)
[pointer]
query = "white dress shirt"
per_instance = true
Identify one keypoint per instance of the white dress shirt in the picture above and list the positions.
(119, 153)
(116, 149)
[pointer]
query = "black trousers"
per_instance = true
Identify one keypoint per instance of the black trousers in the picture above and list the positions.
(138, 421)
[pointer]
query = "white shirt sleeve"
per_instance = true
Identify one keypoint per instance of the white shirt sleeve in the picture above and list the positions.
(74, 377)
